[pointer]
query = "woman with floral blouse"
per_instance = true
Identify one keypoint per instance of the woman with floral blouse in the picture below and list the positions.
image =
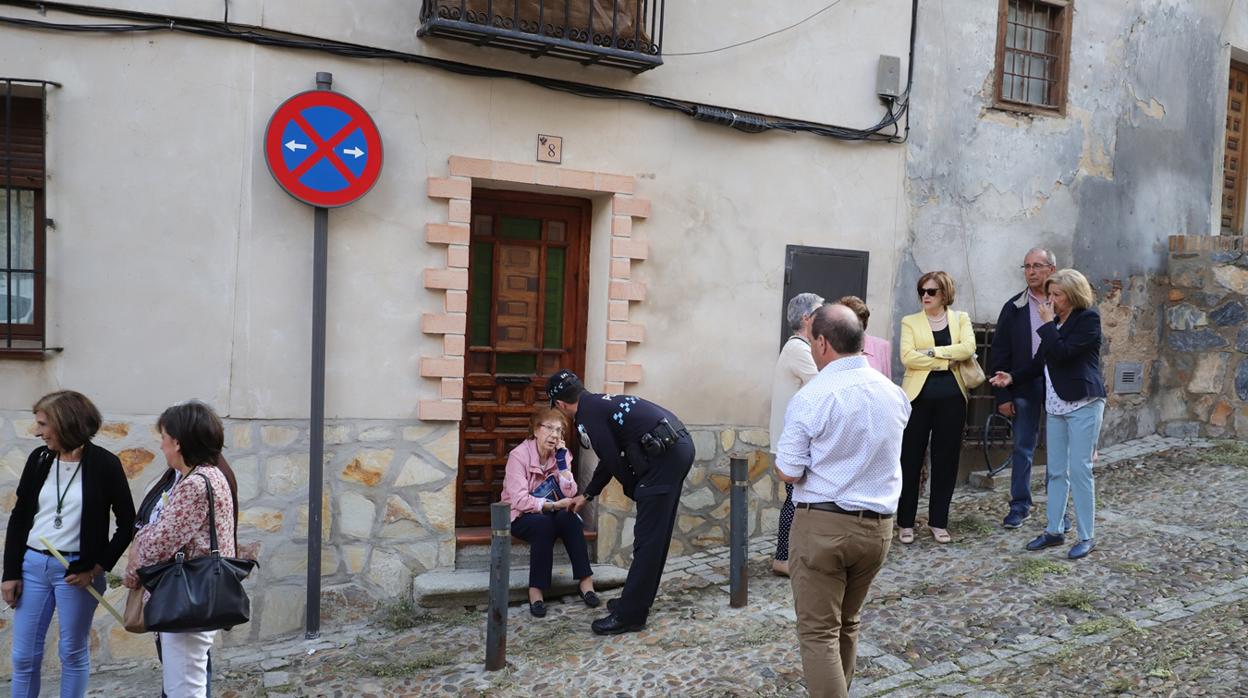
(191, 438)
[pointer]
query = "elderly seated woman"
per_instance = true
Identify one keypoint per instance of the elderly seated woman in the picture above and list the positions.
(539, 486)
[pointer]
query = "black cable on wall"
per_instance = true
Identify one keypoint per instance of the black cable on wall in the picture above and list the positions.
(745, 121)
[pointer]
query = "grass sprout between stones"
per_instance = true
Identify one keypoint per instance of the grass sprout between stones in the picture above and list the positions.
(428, 660)
(1226, 453)
(971, 524)
(1129, 567)
(402, 614)
(1096, 626)
(1035, 569)
(763, 635)
(1078, 599)
(1119, 685)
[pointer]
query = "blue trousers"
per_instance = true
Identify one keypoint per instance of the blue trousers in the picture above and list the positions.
(1071, 441)
(45, 590)
(540, 532)
(1026, 430)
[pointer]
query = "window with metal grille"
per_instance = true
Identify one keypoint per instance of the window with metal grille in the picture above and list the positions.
(983, 403)
(1033, 46)
(23, 179)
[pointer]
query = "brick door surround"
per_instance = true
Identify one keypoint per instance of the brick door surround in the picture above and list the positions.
(452, 279)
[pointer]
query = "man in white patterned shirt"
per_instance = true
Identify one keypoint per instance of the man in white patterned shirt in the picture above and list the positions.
(841, 449)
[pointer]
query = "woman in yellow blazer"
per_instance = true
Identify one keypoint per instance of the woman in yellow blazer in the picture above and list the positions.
(931, 341)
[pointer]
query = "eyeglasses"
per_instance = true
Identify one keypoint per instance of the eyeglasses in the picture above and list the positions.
(556, 428)
(928, 292)
(1036, 267)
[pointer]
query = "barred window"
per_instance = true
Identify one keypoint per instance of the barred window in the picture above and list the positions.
(1033, 48)
(22, 230)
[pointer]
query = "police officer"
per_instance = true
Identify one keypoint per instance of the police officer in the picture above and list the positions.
(649, 451)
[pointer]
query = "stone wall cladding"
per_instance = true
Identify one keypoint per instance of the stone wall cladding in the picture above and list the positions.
(702, 521)
(1131, 318)
(389, 511)
(1204, 358)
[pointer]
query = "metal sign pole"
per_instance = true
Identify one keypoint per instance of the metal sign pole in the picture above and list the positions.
(316, 428)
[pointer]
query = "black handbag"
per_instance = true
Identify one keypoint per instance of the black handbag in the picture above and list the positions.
(205, 593)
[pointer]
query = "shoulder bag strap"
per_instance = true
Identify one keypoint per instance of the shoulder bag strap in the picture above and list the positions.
(212, 515)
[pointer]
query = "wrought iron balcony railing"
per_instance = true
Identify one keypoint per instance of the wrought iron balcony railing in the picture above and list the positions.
(619, 33)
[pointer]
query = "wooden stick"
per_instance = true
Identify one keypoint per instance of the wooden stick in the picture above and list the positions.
(98, 597)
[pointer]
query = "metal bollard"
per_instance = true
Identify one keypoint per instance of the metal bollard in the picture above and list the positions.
(738, 580)
(500, 582)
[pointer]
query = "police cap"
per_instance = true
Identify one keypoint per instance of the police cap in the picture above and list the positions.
(562, 385)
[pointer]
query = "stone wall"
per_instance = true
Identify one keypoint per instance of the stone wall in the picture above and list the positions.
(1131, 318)
(1204, 362)
(703, 519)
(389, 512)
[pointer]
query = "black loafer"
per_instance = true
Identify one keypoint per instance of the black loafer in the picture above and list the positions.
(538, 609)
(590, 599)
(614, 626)
(1046, 540)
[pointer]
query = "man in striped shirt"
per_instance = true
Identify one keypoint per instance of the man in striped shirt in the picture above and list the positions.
(841, 450)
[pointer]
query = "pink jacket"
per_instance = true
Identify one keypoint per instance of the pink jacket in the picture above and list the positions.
(525, 471)
(879, 354)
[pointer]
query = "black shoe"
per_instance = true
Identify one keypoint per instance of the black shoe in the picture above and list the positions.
(590, 599)
(612, 604)
(538, 609)
(1046, 540)
(614, 626)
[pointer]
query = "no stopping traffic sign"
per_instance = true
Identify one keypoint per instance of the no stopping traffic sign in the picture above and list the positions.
(323, 148)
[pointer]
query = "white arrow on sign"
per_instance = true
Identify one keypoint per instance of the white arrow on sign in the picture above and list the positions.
(354, 151)
(294, 145)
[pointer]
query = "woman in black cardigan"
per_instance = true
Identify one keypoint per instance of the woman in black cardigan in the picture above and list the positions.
(64, 497)
(1069, 358)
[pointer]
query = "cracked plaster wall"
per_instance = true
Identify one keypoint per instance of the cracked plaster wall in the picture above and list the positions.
(1129, 164)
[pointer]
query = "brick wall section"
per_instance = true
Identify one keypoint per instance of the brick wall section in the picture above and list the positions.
(454, 232)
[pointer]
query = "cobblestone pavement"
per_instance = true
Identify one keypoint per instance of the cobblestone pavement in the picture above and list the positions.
(1160, 608)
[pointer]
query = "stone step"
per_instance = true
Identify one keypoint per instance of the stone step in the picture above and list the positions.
(473, 549)
(477, 557)
(447, 587)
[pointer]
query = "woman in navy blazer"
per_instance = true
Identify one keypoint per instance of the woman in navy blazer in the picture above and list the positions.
(1069, 358)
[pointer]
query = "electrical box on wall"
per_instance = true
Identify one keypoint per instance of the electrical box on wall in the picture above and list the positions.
(888, 77)
(1128, 377)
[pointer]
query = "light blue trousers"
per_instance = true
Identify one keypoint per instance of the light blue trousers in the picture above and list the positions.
(1071, 442)
(45, 590)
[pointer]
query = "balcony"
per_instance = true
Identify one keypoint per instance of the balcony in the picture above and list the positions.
(624, 34)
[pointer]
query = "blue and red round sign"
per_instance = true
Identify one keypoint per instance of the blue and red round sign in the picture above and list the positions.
(323, 148)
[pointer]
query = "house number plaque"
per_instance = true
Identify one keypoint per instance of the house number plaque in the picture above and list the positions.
(549, 149)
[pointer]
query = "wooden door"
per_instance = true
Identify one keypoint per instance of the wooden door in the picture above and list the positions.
(1236, 152)
(527, 294)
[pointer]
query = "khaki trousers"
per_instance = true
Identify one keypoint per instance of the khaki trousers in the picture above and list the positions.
(834, 558)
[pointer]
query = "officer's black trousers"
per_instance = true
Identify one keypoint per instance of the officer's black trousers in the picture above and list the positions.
(658, 497)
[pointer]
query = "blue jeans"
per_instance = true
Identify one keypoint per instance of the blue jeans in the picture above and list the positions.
(1071, 441)
(44, 590)
(1026, 428)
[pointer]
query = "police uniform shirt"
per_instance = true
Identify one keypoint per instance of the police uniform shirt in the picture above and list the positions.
(612, 423)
